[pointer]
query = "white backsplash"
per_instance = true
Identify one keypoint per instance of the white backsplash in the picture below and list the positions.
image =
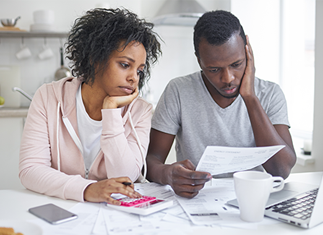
(33, 71)
(178, 54)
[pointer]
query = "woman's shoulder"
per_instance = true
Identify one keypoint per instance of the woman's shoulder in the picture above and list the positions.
(140, 107)
(141, 103)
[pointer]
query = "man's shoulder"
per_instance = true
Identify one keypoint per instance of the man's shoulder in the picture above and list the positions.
(264, 86)
(193, 77)
(186, 81)
(264, 82)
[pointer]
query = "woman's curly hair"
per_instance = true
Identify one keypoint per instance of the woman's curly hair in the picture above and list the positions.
(99, 32)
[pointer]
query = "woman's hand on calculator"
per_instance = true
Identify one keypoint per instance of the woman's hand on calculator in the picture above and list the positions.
(101, 191)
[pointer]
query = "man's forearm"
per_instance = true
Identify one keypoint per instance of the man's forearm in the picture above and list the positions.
(156, 171)
(266, 135)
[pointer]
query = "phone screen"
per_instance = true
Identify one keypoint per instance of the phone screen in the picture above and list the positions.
(52, 213)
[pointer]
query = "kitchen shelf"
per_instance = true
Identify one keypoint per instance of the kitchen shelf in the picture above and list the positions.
(13, 112)
(27, 34)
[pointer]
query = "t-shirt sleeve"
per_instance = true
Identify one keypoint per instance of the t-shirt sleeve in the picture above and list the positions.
(277, 109)
(166, 117)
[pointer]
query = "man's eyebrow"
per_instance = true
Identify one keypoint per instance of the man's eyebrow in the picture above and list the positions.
(212, 67)
(216, 67)
(238, 61)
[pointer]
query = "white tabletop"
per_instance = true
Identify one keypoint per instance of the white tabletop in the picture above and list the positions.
(14, 205)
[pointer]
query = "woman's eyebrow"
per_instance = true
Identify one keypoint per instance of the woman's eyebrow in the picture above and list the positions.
(127, 57)
(131, 59)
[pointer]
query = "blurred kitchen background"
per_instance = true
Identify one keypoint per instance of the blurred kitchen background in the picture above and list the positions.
(282, 34)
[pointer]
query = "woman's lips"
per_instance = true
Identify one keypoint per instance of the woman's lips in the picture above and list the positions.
(127, 89)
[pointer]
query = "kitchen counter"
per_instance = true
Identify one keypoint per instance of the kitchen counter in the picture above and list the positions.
(13, 112)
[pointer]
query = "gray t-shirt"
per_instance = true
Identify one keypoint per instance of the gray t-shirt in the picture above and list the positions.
(187, 110)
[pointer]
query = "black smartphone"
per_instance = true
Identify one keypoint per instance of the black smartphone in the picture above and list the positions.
(52, 214)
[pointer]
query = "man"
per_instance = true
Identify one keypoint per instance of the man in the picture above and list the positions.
(224, 104)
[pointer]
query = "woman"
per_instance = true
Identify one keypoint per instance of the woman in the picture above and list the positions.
(85, 136)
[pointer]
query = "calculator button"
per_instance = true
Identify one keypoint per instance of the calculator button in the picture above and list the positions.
(136, 202)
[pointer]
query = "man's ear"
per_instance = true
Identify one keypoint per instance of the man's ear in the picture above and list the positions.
(198, 59)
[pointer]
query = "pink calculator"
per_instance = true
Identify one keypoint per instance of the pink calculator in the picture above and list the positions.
(142, 206)
(136, 202)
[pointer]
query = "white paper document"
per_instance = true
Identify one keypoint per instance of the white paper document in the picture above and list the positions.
(208, 207)
(218, 160)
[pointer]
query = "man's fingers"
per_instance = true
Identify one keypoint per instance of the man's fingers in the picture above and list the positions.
(186, 181)
(187, 164)
(187, 169)
(191, 174)
(189, 187)
(187, 194)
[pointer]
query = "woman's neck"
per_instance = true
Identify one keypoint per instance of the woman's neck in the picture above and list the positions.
(92, 100)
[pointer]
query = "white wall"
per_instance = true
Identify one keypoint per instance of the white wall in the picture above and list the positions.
(317, 149)
(35, 72)
(178, 57)
(261, 22)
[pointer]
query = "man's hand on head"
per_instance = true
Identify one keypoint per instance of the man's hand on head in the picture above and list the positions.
(247, 84)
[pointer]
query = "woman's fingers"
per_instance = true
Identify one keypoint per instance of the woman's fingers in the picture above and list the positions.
(101, 191)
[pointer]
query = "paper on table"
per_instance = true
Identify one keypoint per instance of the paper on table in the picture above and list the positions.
(206, 208)
(218, 160)
(123, 223)
(209, 206)
(99, 225)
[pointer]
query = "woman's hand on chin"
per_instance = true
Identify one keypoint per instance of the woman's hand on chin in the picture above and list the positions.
(113, 102)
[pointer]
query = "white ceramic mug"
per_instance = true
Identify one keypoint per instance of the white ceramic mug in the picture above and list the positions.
(45, 53)
(252, 190)
(24, 53)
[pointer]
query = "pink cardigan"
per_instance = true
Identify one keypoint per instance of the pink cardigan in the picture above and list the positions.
(51, 161)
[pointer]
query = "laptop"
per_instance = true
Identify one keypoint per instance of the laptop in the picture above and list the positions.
(299, 204)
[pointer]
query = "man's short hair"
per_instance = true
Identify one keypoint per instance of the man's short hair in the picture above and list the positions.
(216, 27)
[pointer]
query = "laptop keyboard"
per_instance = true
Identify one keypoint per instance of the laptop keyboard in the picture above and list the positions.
(299, 207)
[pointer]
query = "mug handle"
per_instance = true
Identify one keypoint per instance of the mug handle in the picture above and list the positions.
(281, 185)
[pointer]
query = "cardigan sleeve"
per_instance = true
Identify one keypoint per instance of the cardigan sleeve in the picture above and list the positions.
(118, 141)
(36, 169)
